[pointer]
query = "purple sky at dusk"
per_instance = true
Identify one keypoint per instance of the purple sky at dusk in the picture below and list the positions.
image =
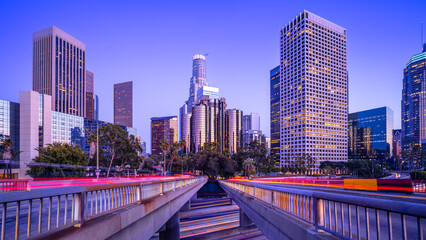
(152, 42)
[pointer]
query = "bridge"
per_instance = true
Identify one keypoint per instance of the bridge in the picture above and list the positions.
(137, 208)
(108, 208)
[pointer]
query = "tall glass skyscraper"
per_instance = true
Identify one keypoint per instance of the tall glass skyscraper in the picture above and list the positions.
(370, 133)
(198, 79)
(90, 101)
(59, 70)
(234, 130)
(275, 113)
(123, 104)
(313, 82)
(413, 104)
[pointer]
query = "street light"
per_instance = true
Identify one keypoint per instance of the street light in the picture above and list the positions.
(97, 151)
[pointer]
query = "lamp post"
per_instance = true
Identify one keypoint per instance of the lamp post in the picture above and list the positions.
(97, 151)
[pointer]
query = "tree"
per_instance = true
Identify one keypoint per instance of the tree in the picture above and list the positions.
(182, 144)
(173, 152)
(58, 160)
(248, 166)
(8, 156)
(164, 147)
(213, 163)
(113, 137)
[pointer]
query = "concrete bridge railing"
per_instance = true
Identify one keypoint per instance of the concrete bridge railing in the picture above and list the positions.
(338, 214)
(41, 212)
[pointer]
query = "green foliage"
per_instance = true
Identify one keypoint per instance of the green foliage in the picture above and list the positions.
(121, 149)
(365, 168)
(213, 163)
(258, 153)
(58, 160)
(418, 175)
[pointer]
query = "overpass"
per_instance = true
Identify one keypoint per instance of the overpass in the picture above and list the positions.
(283, 211)
(109, 210)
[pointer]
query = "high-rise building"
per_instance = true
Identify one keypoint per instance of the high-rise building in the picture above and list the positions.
(163, 128)
(198, 79)
(413, 113)
(251, 122)
(90, 101)
(313, 82)
(370, 134)
(96, 107)
(275, 114)
(207, 123)
(123, 104)
(59, 70)
(396, 148)
(212, 92)
(233, 130)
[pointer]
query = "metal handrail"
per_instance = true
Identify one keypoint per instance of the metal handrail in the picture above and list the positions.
(338, 213)
(65, 207)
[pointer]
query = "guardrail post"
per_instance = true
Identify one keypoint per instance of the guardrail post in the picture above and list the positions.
(161, 188)
(139, 193)
(174, 185)
(79, 209)
(318, 212)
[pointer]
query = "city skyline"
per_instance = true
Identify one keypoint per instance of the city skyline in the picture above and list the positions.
(388, 68)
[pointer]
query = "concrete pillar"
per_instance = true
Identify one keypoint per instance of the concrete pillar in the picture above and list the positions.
(186, 207)
(171, 231)
(245, 221)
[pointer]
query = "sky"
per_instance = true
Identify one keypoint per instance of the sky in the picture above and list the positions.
(152, 43)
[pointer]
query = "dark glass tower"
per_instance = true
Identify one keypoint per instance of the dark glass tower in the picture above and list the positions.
(275, 114)
(370, 134)
(123, 104)
(413, 111)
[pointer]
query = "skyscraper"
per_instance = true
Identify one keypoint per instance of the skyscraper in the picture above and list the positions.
(90, 101)
(396, 148)
(59, 70)
(163, 128)
(275, 114)
(313, 81)
(96, 107)
(198, 79)
(251, 122)
(123, 104)
(413, 112)
(370, 133)
(234, 130)
(207, 123)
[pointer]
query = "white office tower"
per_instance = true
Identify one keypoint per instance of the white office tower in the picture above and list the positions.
(314, 98)
(59, 70)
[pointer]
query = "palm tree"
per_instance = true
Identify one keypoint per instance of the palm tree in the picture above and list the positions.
(173, 154)
(182, 146)
(164, 147)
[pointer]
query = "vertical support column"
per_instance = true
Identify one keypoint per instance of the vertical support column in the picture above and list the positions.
(171, 230)
(319, 212)
(186, 207)
(245, 221)
(79, 209)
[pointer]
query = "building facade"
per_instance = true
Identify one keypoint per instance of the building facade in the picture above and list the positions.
(313, 82)
(59, 70)
(212, 92)
(396, 148)
(233, 130)
(90, 101)
(123, 104)
(275, 114)
(370, 134)
(96, 107)
(251, 122)
(198, 79)
(208, 123)
(413, 104)
(163, 128)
